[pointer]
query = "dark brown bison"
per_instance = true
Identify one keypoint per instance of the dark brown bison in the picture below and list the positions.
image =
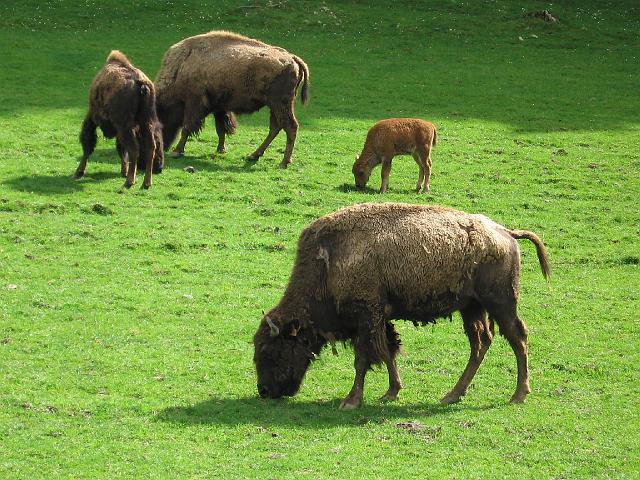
(221, 73)
(363, 266)
(122, 104)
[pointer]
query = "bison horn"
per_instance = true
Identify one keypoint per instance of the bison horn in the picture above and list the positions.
(275, 331)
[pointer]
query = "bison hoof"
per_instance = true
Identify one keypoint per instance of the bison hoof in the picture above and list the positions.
(146, 186)
(221, 150)
(128, 184)
(284, 164)
(518, 398)
(78, 174)
(176, 154)
(253, 158)
(349, 405)
(450, 398)
(389, 397)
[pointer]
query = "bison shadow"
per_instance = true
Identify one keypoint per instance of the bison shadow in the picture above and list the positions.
(206, 163)
(55, 184)
(303, 414)
(351, 188)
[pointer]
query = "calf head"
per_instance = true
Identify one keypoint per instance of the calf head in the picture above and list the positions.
(361, 172)
(282, 356)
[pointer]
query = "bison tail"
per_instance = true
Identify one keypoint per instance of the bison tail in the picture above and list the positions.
(147, 108)
(543, 257)
(304, 95)
(435, 137)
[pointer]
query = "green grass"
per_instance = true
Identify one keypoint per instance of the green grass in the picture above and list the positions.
(126, 317)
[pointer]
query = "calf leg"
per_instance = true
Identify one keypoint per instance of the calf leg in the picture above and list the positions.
(421, 173)
(88, 139)
(479, 330)
(386, 169)
(424, 152)
(274, 129)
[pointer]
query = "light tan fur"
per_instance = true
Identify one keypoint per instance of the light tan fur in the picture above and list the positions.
(362, 266)
(396, 136)
(225, 71)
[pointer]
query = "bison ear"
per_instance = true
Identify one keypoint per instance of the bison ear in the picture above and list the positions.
(275, 331)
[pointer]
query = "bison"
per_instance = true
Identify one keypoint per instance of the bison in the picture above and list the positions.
(122, 103)
(365, 265)
(391, 137)
(221, 73)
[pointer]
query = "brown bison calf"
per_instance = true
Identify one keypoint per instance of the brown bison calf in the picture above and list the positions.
(361, 267)
(122, 104)
(391, 137)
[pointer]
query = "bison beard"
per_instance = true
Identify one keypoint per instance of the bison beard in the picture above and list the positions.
(363, 266)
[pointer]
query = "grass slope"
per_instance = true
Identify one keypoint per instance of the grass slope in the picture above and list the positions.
(126, 317)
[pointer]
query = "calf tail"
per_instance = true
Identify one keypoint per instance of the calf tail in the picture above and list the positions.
(435, 137)
(304, 95)
(543, 257)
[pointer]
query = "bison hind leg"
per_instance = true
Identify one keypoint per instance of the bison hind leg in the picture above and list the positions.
(393, 346)
(479, 330)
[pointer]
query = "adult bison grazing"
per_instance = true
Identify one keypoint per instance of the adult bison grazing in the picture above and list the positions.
(363, 266)
(221, 73)
(122, 103)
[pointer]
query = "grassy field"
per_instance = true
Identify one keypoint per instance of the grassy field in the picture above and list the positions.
(126, 316)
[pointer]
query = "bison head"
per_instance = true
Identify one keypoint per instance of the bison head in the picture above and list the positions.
(361, 172)
(282, 356)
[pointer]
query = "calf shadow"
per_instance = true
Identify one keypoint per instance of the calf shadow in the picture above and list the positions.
(301, 414)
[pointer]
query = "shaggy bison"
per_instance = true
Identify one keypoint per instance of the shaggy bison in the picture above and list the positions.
(122, 104)
(363, 266)
(221, 73)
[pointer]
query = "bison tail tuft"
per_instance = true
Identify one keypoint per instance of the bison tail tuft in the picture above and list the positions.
(435, 136)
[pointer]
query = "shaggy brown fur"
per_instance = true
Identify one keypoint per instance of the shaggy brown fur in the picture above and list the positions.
(362, 266)
(222, 72)
(122, 104)
(391, 137)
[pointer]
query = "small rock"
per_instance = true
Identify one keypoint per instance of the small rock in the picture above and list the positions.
(12, 286)
(189, 169)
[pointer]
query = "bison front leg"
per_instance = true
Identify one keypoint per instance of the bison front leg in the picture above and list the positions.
(178, 151)
(362, 364)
